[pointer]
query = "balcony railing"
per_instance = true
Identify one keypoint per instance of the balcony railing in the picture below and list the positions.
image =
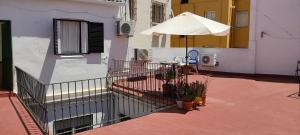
(32, 94)
(130, 90)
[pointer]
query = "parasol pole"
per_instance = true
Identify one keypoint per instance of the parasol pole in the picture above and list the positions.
(186, 57)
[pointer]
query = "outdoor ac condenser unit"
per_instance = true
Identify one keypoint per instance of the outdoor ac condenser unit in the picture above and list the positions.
(120, 1)
(209, 60)
(142, 54)
(116, 1)
(124, 28)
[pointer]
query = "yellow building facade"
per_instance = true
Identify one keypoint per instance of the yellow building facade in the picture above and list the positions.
(231, 12)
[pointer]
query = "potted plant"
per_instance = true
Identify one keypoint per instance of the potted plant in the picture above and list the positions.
(198, 101)
(188, 99)
(199, 88)
(181, 86)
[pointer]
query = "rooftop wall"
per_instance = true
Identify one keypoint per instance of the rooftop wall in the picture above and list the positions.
(32, 35)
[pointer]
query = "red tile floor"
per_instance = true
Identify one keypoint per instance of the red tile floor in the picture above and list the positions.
(235, 106)
(14, 119)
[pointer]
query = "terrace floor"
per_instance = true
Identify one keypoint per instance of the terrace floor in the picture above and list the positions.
(236, 105)
(14, 119)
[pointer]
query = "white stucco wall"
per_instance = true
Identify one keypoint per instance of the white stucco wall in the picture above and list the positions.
(279, 50)
(32, 31)
(276, 53)
(144, 22)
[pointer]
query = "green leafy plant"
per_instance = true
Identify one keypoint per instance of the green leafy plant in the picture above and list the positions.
(170, 75)
(194, 90)
(190, 93)
(181, 88)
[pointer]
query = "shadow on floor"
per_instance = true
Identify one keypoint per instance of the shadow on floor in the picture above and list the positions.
(177, 110)
(256, 77)
(294, 95)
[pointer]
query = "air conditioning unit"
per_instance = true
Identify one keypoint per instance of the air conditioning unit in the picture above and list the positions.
(116, 1)
(142, 54)
(120, 1)
(208, 60)
(124, 28)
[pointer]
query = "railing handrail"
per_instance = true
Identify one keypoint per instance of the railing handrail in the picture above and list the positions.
(146, 61)
(18, 68)
(47, 84)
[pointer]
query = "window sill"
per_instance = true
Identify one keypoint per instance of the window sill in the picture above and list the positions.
(72, 56)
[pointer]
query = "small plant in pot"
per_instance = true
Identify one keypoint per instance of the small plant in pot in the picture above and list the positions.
(188, 99)
(198, 101)
(199, 87)
(181, 86)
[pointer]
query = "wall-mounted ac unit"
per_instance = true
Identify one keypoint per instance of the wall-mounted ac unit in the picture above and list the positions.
(124, 28)
(142, 54)
(120, 1)
(209, 60)
(116, 1)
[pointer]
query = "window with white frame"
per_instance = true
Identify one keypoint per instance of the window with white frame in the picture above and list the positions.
(242, 19)
(210, 15)
(72, 37)
(158, 12)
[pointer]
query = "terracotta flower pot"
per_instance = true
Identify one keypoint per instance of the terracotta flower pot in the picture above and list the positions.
(188, 105)
(203, 101)
(198, 102)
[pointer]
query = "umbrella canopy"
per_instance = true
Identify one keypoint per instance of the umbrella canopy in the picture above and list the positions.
(189, 24)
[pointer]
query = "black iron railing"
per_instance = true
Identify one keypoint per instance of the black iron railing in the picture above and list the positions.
(32, 94)
(130, 90)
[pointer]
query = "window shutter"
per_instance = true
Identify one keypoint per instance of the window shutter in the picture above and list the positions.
(55, 36)
(96, 37)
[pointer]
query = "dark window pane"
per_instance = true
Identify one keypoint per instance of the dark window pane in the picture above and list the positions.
(184, 1)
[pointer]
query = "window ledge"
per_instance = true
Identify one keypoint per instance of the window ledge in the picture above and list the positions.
(72, 56)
